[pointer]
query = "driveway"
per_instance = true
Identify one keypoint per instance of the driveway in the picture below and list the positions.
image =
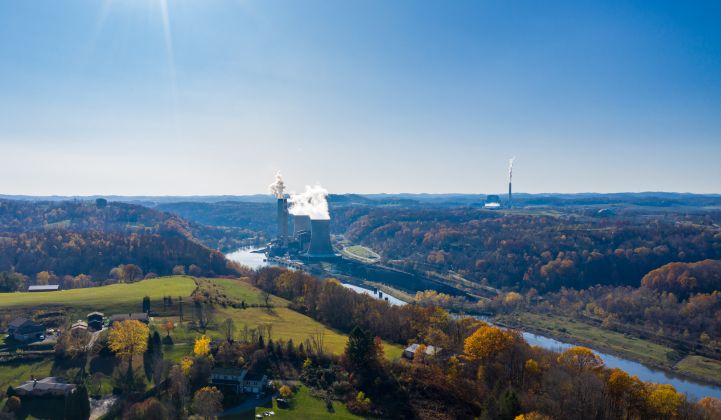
(247, 405)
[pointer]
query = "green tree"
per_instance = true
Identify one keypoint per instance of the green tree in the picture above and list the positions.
(77, 404)
(509, 406)
(360, 351)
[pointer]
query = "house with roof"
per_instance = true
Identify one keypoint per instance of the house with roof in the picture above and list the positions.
(25, 330)
(47, 387)
(137, 316)
(411, 350)
(95, 320)
(79, 328)
(238, 380)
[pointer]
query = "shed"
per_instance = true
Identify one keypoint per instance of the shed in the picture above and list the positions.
(44, 288)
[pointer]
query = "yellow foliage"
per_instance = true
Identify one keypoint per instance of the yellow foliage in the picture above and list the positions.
(512, 298)
(128, 338)
(202, 346)
(487, 342)
(664, 400)
(186, 364)
(580, 358)
(531, 366)
(285, 391)
(533, 415)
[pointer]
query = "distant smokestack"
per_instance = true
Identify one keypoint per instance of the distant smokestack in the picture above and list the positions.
(283, 219)
(320, 239)
(510, 194)
(510, 181)
(300, 223)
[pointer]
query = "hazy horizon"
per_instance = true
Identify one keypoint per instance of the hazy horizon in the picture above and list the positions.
(184, 98)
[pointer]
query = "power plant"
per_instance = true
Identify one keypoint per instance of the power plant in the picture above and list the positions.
(301, 224)
(320, 246)
(311, 224)
(283, 220)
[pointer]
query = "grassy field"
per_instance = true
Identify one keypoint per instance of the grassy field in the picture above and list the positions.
(360, 252)
(242, 290)
(700, 366)
(116, 297)
(286, 323)
(305, 406)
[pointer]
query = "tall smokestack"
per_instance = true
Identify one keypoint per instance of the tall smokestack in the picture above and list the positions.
(283, 220)
(320, 245)
(510, 181)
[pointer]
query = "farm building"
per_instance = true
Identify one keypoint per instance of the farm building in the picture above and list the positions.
(46, 387)
(95, 320)
(25, 330)
(44, 288)
(410, 351)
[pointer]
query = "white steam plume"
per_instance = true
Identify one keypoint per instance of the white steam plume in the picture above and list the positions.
(277, 187)
(510, 168)
(312, 202)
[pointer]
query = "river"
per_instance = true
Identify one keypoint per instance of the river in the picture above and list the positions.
(692, 389)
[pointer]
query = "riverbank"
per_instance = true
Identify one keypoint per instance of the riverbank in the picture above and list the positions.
(646, 352)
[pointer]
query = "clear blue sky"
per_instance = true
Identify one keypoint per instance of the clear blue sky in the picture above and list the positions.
(212, 97)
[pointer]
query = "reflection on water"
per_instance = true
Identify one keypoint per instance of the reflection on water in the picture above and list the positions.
(694, 390)
(248, 258)
(392, 300)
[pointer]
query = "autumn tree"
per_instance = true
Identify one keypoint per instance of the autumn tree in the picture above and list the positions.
(664, 401)
(285, 391)
(150, 409)
(487, 342)
(710, 408)
(202, 346)
(128, 339)
(580, 359)
(207, 402)
(168, 327)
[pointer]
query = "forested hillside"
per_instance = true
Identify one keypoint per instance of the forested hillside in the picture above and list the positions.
(541, 250)
(76, 238)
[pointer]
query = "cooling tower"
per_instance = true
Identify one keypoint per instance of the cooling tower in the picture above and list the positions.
(300, 224)
(320, 239)
(283, 219)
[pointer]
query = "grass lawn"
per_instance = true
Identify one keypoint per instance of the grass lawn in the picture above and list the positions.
(287, 324)
(242, 290)
(362, 252)
(15, 373)
(700, 366)
(305, 406)
(611, 341)
(113, 298)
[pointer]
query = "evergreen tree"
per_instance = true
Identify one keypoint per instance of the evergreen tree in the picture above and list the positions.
(77, 404)
(509, 406)
(360, 351)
